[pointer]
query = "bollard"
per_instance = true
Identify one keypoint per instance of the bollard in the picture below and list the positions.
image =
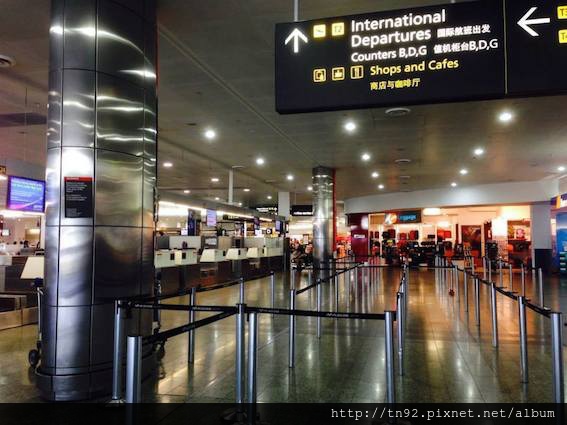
(241, 290)
(273, 289)
(511, 278)
(557, 350)
(389, 346)
(523, 339)
(319, 296)
(240, 353)
(494, 311)
(540, 281)
(466, 292)
(400, 329)
(292, 329)
(191, 336)
(252, 356)
(117, 354)
(133, 369)
(477, 301)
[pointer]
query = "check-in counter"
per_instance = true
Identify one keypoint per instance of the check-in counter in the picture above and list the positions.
(239, 259)
(186, 257)
(164, 258)
(177, 269)
(215, 268)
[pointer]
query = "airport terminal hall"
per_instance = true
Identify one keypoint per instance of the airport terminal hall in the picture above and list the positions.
(283, 212)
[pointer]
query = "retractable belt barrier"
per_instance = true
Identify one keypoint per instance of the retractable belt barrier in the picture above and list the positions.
(524, 303)
(135, 343)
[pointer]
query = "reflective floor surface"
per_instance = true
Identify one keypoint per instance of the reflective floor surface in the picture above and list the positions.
(447, 357)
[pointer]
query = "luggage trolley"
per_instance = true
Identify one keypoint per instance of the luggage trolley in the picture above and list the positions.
(34, 270)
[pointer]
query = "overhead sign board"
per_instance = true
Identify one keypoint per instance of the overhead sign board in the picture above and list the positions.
(454, 52)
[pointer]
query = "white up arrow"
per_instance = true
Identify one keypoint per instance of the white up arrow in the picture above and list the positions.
(296, 35)
(525, 22)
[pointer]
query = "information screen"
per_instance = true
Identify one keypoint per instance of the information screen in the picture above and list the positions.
(26, 194)
(78, 197)
(211, 218)
(476, 50)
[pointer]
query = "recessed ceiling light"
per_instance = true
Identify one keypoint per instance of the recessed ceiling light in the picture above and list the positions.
(381, 186)
(260, 161)
(375, 175)
(402, 161)
(506, 116)
(217, 199)
(561, 168)
(7, 61)
(310, 188)
(290, 177)
(365, 157)
(269, 196)
(463, 172)
(479, 151)
(168, 164)
(240, 204)
(210, 134)
(350, 126)
(454, 184)
(246, 190)
(3, 177)
(215, 180)
(186, 191)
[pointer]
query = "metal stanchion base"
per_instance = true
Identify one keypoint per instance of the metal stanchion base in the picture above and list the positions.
(117, 401)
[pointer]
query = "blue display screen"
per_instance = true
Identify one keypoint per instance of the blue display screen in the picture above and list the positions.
(26, 194)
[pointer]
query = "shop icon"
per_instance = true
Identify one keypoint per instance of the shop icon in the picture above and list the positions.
(320, 75)
(356, 72)
(338, 73)
(319, 31)
(338, 29)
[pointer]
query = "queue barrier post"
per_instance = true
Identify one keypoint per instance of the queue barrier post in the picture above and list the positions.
(494, 314)
(292, 299)
(240, 353)
(456, 282)
(252, 356)
(540, 286)
(192, 302)
(500, 273)
(466, 292)
(117, 353)
(336, 292)
(273, 289)
(489, 270)
(319, 299)
(511, 277)
(523, 339)
(484, 267)
(557, 350)
(133, 369)
(241, 300)
(477, 301)
(523, 277)
(389, 346)
(400, 329)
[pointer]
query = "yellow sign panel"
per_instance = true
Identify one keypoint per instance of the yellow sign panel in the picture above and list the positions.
(320, 75)
(357, 72)
(319, 31)
(563, 36)
(339, 73)
(562, 12)
(338, 29)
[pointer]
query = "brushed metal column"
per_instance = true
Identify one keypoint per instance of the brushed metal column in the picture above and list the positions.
(323, 217)
(102, 123)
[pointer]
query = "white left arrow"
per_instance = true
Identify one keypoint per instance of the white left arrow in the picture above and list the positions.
(296, 35)
(525, 22)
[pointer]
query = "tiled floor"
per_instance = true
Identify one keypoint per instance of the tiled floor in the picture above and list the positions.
(448, 358)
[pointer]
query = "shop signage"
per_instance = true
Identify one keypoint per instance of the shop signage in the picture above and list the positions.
(78, 197)
(485, 49)
(403, 217)
(302, 210)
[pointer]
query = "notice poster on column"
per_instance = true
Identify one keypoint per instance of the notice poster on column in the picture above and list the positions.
(78, 197)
